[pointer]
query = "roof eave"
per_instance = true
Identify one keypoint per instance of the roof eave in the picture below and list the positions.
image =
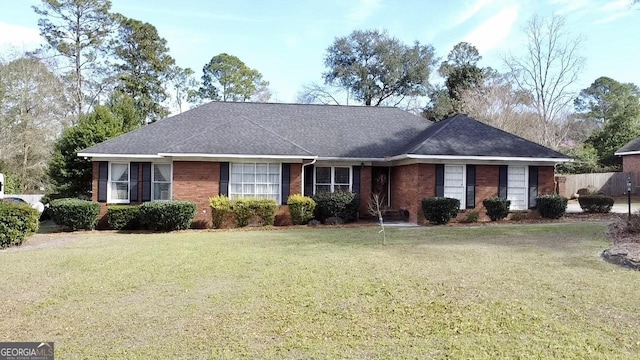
(478, 158)
(623, 153)
(104, 155)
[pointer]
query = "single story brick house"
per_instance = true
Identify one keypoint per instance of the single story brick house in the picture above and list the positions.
(630, 154)
(274, 150)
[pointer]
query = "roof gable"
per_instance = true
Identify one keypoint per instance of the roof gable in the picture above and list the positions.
(632, 146)
(462, 135)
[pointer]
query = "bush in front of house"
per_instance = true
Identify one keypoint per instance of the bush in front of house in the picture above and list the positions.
(342, 204)
(244, 209)
(167, 215)
(551, 206)
(220, 207)
(75, 214)
(17, 222)
(497, 208)
(124, 217)
(596, 203)
(440, 210)
(301, 208)
(471, 217)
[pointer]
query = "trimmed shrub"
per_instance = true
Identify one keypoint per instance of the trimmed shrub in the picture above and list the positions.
(519, 215)
(301, 208)
(342, 204)
(220, 207)
(247, 208)
(551, 206)
(75, 214)
(440, 210)
(17, 222)
(124, 217)
(497, 208)
(595, 203)
(167, 215)
(471, 217)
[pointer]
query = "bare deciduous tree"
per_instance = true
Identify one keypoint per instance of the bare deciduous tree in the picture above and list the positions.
(547, 71)
(377, 208)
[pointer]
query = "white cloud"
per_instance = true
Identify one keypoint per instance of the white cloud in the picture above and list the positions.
(613, 10)
(571, 6)
(470, 11)
(362, 10)
(16, 35)
(492, 32)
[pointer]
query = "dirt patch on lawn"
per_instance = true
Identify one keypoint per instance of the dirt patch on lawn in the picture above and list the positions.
(624, 232)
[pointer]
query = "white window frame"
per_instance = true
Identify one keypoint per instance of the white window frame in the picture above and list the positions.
(110, 200)
(233, 195)
(463, 201)
(526, 186)
(333, 177)
(153, 180)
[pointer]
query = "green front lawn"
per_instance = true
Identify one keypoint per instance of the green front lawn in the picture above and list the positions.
(521, 291)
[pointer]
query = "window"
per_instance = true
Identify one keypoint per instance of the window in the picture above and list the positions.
(161, 181)
(118, 183)
(517, 187)
(259, 180)
(331, 179)
(454, 179)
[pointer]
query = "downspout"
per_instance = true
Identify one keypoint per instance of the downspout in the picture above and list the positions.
(303, 173)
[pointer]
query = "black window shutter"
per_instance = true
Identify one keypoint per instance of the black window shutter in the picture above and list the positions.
(286, 181)
(533, 186)
(103, 180)
(355, 182)
(439, 180)
(308, 180)
(146, 181)
(133, 181)
(502, 182)
(224, 178)
(471, 186)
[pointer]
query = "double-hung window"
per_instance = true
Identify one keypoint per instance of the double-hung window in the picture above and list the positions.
(161, 181)
(260, 180)
(454, 183)
(331, 179)
(517, 187)
(119, 183)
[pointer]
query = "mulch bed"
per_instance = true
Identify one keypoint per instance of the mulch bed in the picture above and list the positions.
(624, 232)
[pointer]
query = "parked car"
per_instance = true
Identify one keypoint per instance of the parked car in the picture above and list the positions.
(16, 200)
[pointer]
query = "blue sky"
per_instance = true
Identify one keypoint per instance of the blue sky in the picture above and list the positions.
(286, 40)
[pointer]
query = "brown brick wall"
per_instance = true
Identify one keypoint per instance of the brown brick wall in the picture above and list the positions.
(197, 181)
(102, 219)
(631, 163)
(409, 185)
(365, 190)
(546, 180)
(487, 177)
(295, 183)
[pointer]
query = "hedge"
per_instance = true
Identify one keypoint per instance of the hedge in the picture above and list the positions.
(220, 207)
(75, 214)
(551, 206)
(17, 222)
(301, 208)
(440, 210)
(167, 215)
(342, 204)
(497, 208)
(124, 217)
(595, 203)
(246, 208)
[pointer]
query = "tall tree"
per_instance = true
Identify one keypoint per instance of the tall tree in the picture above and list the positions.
(615, 109)
(461, 73)
(33, 112)
(227, 78)
(547, 71)
(145, 67)
(375, 67)
(78, 30)
(184, 85)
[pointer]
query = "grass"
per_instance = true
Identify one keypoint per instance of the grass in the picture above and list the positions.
(523, 291)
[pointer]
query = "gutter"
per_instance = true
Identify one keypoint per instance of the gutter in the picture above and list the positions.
(302, 180)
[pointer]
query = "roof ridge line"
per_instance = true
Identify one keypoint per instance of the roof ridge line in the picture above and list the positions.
(279, 136)
(434, 133)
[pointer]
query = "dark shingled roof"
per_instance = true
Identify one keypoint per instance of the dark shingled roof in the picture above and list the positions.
(317, 130)
(461, 135)
(633, 145)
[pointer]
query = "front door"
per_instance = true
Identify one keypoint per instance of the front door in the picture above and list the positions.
(380, 183)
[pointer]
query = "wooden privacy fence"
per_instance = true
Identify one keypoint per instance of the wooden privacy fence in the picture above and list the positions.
(611, 183)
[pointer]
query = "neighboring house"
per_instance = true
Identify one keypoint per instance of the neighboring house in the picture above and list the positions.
(274, 150)
(631, 157)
